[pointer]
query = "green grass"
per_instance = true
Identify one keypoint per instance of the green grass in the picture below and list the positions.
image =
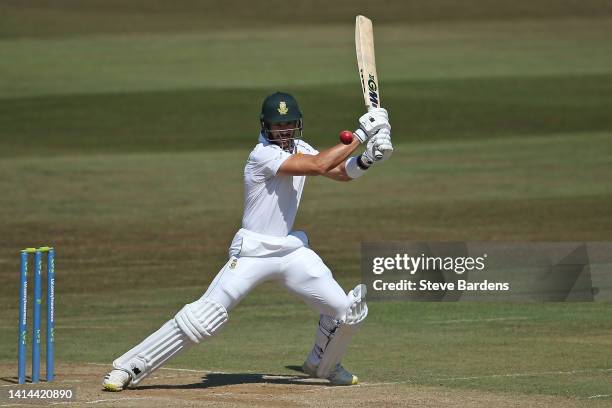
(456, 110)
(123, 135)
(201, 91)
(317, 55)
(39, 18)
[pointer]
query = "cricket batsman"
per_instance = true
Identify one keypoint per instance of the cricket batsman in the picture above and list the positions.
(267, 247)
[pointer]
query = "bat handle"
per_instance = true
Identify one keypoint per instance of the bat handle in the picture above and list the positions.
(377, 155)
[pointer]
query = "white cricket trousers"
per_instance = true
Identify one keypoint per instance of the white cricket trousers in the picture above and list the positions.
(256, 258)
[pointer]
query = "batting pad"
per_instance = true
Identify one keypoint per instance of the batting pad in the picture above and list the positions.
(201, 319)
(340, 337)
(196, 321)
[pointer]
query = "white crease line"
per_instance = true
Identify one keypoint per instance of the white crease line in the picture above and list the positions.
(165, 368)
(317, 388)
(333, 388)
(385, 383)
(603, 370)
(225, 394)
(600, 396)
(118, 399)
(102, 400)
(187, 370)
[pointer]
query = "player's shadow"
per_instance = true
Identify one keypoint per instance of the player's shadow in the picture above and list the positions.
(224, 379)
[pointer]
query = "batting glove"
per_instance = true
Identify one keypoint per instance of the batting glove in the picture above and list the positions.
(372, 122)
(379, 148)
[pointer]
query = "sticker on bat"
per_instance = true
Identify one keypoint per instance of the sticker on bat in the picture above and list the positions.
(373, 91)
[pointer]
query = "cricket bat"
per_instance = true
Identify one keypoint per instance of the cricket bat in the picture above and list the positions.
(366, 62)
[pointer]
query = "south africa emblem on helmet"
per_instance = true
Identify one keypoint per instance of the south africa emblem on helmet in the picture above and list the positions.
(282, 108)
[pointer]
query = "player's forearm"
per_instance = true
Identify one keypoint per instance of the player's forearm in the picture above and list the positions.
(329, 159)
(338, 173)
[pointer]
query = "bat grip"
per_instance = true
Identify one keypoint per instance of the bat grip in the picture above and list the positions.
(377, 155)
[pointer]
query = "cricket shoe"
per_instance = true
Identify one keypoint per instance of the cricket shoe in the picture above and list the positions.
(338, 376)
(116, 380)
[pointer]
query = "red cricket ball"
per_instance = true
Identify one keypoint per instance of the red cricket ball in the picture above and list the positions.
(346, 137)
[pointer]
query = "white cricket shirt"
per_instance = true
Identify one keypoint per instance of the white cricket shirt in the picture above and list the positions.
(271, 200)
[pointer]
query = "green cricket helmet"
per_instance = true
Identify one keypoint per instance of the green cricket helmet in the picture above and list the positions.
(277, 108)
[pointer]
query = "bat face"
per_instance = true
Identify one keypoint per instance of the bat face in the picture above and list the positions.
(366, 61)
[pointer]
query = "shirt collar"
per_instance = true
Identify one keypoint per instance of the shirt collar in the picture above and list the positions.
(263, 140)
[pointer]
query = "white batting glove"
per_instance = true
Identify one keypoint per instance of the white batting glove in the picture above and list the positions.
(385, 145)
(379, 148)
(372, 122)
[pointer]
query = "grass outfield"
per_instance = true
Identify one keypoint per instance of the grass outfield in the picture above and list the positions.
(181, 92)
(123, 146)
(39, 18)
